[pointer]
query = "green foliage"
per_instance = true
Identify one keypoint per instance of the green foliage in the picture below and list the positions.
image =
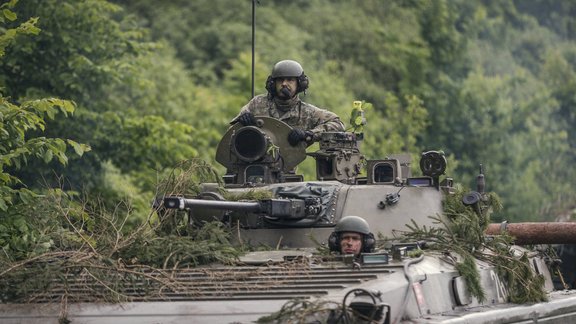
(439, 22)
(357, 117)
(469, 271)
(397, 129)
(17, 147)
(82, 55)
(557, 16)
(40, 224)
(83, 240)
(254, 194)
(20, 238)
(92, 53)
(146, 143)
(22, 232)
(470, 221)
(204, 245)
(185, 178)
(516, 270)
(9, 35)
(305, 311)
(109, 262)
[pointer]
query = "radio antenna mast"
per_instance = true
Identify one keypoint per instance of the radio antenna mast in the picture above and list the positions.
(253, 39)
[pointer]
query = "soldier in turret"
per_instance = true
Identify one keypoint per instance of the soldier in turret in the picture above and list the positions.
(352, 236)
(282, 102)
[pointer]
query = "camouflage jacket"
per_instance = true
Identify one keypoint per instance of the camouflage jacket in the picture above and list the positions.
(295, 113)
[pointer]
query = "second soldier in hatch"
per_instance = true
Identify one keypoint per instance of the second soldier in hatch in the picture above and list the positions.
(282, 102)
(352, 236)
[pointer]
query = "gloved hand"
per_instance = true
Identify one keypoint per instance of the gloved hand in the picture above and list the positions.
(247, 119)
(298, 135)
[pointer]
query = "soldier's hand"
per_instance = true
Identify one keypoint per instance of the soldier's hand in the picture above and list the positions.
(247, 119)
(297, 135)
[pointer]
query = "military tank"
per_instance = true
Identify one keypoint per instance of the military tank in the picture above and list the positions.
(293, 273)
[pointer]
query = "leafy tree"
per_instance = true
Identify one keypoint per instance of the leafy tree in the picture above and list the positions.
(92, 53)
(558, 16)
(21, 232)
(402, 122)
(18, 120)
(207, 35)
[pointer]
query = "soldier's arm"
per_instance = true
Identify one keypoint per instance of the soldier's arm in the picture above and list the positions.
(327, 121)
(244, 109)
(258, 106)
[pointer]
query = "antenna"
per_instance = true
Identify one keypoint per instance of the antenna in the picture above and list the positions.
(253, 39)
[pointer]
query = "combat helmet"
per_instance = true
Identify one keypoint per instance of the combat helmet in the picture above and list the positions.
(287, 69)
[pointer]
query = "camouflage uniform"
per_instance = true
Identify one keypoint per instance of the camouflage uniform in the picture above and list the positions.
(295, 113)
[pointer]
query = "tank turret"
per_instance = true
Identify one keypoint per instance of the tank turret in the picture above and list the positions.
(260, 157)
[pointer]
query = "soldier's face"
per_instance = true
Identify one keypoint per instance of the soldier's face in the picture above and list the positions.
(289, 84)
(350, 243)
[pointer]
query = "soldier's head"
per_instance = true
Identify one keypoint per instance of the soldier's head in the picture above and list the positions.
(286, 80)
(352, 236)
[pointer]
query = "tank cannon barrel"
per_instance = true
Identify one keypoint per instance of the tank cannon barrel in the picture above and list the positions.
(280, 208)
(184, 203)
(537, 233)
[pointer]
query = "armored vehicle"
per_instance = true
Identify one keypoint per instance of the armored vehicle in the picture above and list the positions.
(294, 273)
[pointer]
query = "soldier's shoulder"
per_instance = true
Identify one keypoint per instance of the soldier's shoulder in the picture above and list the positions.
(312, 109)
(259, 100)
(261, 97)
(310, 106)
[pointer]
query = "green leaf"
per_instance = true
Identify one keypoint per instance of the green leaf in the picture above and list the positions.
(48, 155)
(26, 196)
(80, 149)
(9, 14)
(21, 225)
